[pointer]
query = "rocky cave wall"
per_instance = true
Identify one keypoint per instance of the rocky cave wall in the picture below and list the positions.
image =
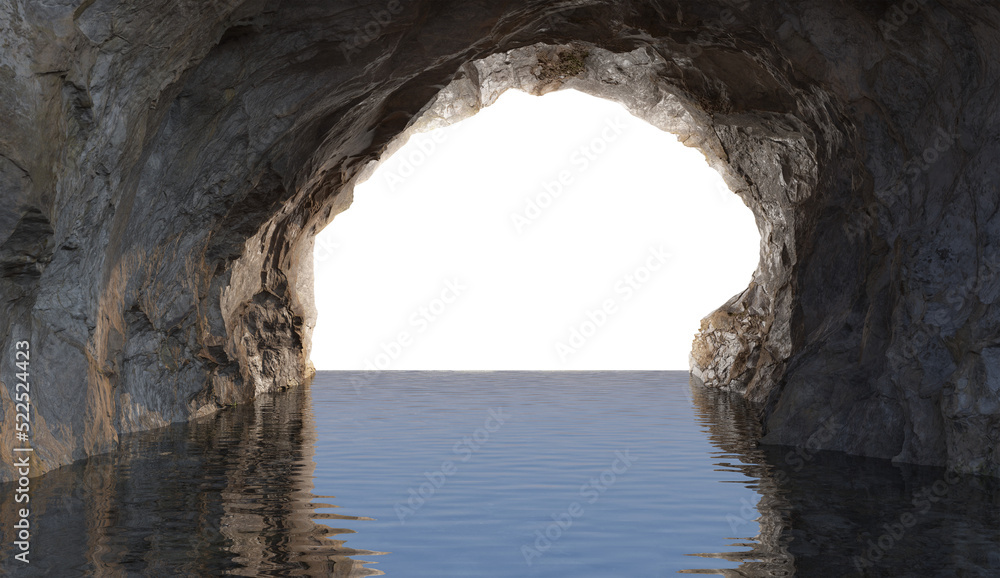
(165, 166)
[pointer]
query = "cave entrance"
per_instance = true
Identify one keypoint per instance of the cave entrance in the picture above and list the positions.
(543, 233)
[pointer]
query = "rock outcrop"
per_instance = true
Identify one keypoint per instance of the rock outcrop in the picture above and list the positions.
(164, 167)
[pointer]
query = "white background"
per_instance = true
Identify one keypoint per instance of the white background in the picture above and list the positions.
(448, 212)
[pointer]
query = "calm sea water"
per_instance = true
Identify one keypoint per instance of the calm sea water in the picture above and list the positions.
(498, 474)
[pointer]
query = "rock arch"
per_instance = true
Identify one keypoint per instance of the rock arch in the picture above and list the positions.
(168, 163)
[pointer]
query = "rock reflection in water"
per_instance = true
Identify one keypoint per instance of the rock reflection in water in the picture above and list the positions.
(226, 495)
(870, 517)
(731, 425)
(831, 514)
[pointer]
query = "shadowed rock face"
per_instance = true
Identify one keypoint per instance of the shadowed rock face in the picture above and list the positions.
(164, 167)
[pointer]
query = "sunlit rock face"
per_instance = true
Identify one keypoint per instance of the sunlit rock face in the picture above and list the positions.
(165, 165)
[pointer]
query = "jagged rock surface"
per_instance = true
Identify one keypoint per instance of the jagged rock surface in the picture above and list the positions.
(164, 167)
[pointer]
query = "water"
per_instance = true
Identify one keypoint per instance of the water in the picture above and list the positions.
(498, 474)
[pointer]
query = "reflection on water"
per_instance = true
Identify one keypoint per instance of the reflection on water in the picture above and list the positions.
(232, 494)
(830, 514)
(874, 518)
(228, 494)
(732, 428)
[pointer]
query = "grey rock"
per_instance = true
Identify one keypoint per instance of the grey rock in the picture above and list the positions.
(165, 166)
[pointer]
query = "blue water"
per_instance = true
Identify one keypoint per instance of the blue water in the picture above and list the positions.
(496, 474)
(620, 459)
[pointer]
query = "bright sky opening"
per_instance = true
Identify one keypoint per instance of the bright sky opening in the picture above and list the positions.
(544, 233)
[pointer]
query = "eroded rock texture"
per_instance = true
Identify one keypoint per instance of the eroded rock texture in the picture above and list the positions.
(165, 165)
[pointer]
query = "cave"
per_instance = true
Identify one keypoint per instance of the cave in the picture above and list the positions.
(166, 167)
